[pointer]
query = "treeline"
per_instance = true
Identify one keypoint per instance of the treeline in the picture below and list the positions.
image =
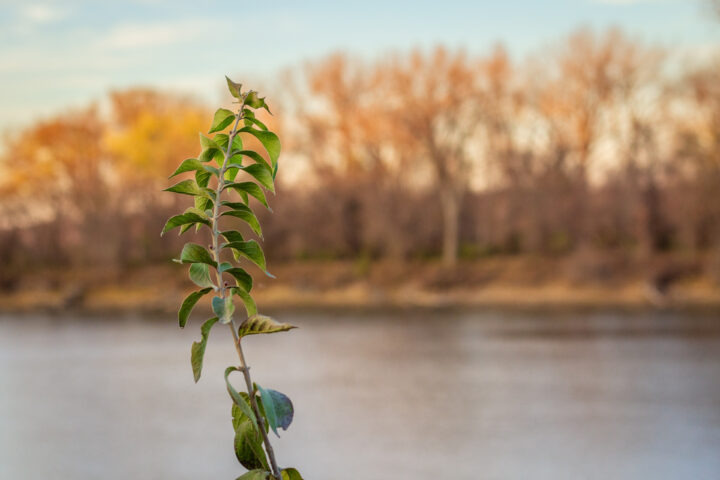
(599, 144)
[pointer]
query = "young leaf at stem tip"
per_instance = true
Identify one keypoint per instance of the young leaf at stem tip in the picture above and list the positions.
(235, 88)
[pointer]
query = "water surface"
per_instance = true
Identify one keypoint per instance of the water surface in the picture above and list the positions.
(461, 395)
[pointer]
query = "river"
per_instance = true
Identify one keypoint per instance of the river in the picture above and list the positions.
(378, 396)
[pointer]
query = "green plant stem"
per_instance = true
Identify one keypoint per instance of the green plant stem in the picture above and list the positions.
(223, 291)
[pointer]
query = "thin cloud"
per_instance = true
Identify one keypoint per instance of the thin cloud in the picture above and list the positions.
(137, 35)
(41, 14)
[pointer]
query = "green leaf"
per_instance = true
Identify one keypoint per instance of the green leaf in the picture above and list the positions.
(207, 142)
(194, 253)
(290, 474)
(209, 154)
(186, 187)
(270, 141)
(210, 150)
(238, 399)
(235, 88)
(232, 236)
(278, 408)
(203, 203)
(251, 250)
(197, 351)
(184, 219)
(243, 279)
(248, 446)
(237, 414)
(221, 139)
(251, 188)
(248, 301)
(258, 324)
(188, 305)
(223, 117)
(255, 475)
(261, 174)
(243, 212)
(230, 174)
(237, 158)
(202, 178)
(207, 193)
(250, 119)
(200, 275)
(223, 308)
(252, 100)
(187, 166)
(212, 170)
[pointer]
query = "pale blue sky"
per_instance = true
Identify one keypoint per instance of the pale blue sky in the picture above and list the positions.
(57, 54)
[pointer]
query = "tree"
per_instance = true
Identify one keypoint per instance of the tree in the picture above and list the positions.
(431, 102)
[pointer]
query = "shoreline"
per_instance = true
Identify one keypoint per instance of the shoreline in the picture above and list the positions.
(497, 284)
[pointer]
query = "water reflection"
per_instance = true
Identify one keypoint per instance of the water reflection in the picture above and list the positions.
(398, 395)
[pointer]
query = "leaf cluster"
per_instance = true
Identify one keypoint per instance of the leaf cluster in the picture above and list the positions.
(224, 177)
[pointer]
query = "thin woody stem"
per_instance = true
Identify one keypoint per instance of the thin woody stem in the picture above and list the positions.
(253, 403)
(223, 292)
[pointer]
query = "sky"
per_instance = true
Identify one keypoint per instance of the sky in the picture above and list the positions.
(56, 55)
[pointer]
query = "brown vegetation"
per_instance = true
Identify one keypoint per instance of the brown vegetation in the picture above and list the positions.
(596, 155)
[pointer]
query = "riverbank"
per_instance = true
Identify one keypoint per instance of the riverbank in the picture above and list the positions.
(495, 282)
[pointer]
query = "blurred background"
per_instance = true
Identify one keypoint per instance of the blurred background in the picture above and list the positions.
(497, 225)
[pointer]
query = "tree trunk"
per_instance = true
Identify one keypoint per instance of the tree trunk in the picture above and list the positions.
(450, 207)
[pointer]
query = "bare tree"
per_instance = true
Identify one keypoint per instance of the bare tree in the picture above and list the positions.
(431, 100)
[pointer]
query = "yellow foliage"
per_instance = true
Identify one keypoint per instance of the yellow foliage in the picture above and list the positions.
(153, 143)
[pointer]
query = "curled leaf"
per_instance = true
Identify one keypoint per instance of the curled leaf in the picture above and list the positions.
(240, 400)
(260, 324)
(197, 351)
(235, 88)
(188, 305)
